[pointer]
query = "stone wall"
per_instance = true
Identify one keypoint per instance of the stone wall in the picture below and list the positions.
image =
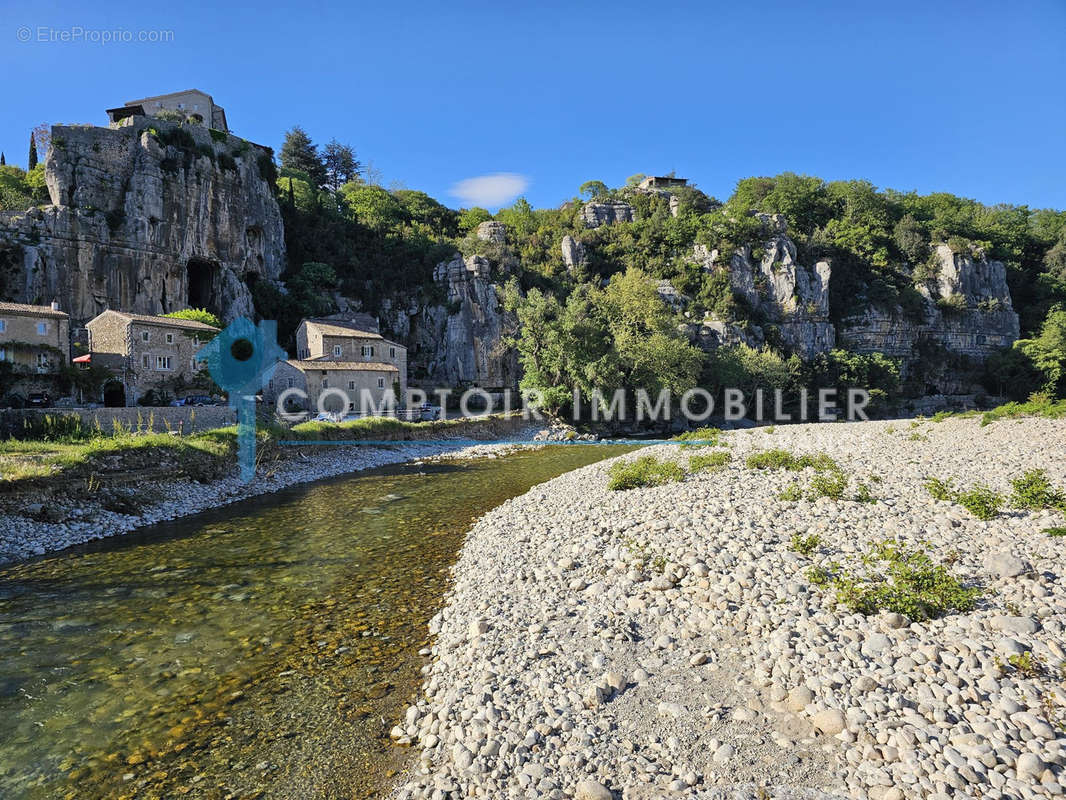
(187, 419)
(140, 225)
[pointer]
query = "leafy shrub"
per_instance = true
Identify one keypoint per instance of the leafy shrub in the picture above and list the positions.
(940, 490)
(645, 471)
(218, 136)
(896, 578)
(791, 493)
(805, 545)
(863, 494)
(1038, 405)
(832, 484)
(981, 501)
(711, 461)
(782, 459)
(1034, 491)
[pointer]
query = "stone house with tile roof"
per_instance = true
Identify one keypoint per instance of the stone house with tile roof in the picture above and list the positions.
(146, 353)
(36, 339)
(349, 341)
(358, 387)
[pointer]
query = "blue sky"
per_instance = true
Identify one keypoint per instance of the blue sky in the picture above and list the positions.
(967, 97)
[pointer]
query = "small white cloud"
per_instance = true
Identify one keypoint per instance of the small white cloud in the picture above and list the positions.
(490, 191)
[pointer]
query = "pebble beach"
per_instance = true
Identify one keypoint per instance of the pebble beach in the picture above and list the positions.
(671, 641)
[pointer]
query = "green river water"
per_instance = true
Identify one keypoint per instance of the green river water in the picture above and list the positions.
(263, 649)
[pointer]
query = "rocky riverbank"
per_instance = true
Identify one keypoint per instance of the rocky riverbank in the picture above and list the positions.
(682, 640)
(38, 528)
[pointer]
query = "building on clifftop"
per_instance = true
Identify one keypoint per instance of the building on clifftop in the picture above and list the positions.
(195, 105)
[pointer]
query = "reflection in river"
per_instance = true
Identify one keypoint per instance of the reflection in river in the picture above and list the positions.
(260, 650)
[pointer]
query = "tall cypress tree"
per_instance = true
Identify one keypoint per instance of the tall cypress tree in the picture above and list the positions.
(33, 152)
(3, 160)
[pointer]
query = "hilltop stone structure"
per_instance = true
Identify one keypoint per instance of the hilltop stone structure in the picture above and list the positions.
(147, 218)
(193, 104)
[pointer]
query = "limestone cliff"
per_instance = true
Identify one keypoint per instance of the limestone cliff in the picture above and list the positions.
(779, 290)
(150, 217)
(967, 314)
(461, 342)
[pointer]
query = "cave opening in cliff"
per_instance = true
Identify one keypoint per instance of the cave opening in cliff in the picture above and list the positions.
(201, 275)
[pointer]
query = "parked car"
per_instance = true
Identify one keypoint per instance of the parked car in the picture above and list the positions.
(38, 400)
(430, 412)
(195, 400)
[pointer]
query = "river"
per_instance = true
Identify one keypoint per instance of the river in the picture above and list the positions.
(263, 649)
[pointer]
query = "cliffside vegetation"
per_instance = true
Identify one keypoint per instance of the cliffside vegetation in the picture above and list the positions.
(582, 323)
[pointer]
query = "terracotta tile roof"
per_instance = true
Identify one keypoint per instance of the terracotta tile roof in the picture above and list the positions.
(349, 366)
(31, 311)
(168, 322)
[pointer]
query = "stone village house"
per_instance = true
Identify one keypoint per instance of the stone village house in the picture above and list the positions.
(35, 338)
(146, 353)
(343, 355)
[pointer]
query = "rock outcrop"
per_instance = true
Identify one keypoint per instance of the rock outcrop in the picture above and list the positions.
(597, 214)
(573, 251)
(149, 218)
(967, 314)
(787, 294)
(492, 231)
(460, 343)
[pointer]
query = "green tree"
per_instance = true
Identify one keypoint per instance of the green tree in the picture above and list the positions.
(1048, 352)
(591, 190)
(197, 315)
(340, 164)
(299, 153)
(470, 218)
(634, 180)
(32, 162)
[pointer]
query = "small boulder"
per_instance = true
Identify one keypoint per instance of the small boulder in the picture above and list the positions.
(830, 721)
(589, 789)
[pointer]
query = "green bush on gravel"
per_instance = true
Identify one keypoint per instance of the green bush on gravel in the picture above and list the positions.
(1034, 491)
(645, 471)
(894, 577)
(782, 459)
(710, 462)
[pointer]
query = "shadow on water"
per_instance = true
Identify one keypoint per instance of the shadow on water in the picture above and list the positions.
(258, 649)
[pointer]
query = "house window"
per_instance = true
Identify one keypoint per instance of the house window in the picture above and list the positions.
(144, 336)
(170, 338)
(270, 385)
(42, 328)
(3, 354)
(42, 361)
(392, 352)
(351, 385)
(325, 383)
(336, 350)
(368, 350)
(146, 361)
(292, 382)
(381, 383)
(162, 362)
(3, 326)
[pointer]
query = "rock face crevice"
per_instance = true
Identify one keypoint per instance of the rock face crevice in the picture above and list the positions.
(967, 314)
(461, 342)
(147, 218)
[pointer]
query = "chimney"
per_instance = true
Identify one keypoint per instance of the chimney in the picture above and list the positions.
(55, 305)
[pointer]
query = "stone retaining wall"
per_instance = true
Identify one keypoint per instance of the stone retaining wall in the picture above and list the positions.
(187, 419)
